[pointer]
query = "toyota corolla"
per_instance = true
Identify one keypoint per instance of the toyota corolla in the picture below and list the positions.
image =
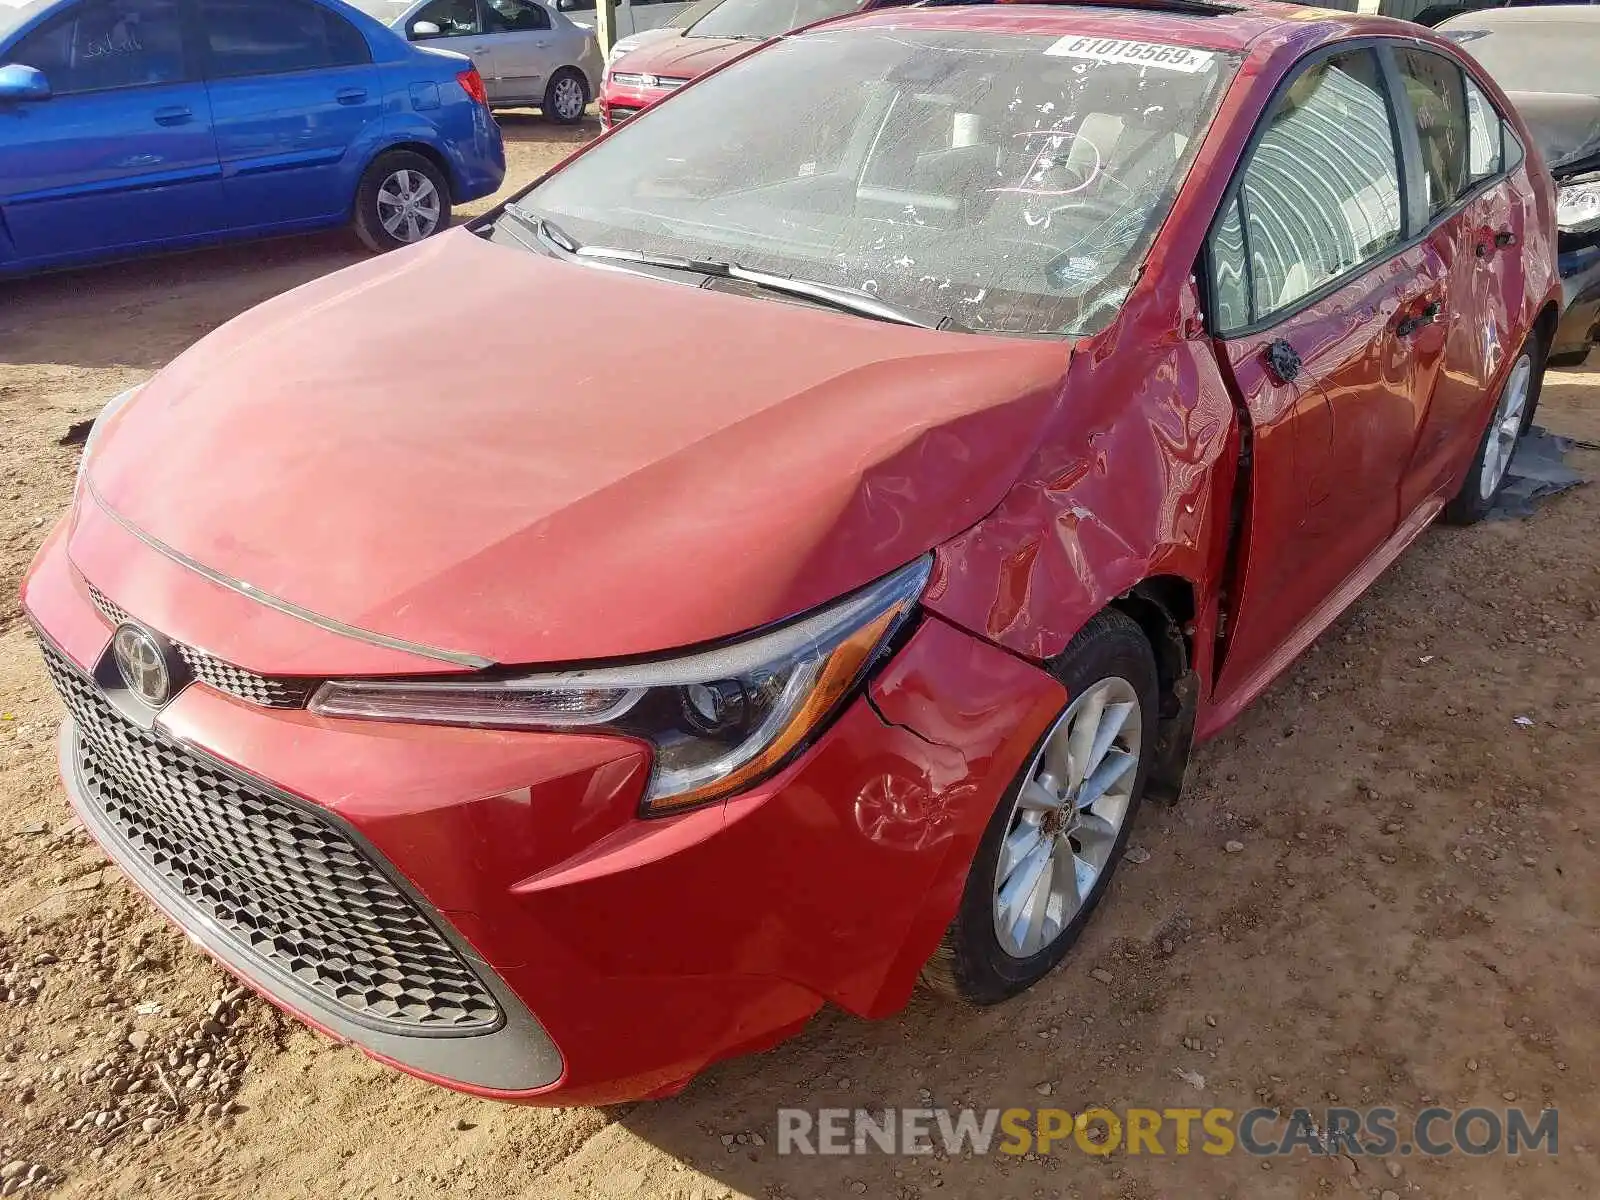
(1010, 393)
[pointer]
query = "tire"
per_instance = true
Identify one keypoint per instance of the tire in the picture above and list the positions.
(393, 179)
(565, 97)
(1110, 659)
(1508, 421)
(1572, 358)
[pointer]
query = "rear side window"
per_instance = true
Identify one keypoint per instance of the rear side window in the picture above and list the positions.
(1435, 88)
(1485, 148)
(1319, 196)
(269, 37)
(107, 44)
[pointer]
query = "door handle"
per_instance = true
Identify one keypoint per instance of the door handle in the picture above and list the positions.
(350, 95)
(1505, 238)
(175, 114)
(1417, 320)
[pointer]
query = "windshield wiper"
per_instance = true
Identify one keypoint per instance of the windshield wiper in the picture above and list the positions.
(826, 294)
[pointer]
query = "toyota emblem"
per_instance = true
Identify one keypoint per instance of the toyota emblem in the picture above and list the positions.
(142, 665)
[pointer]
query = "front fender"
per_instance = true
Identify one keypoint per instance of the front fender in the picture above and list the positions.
(1134, 480)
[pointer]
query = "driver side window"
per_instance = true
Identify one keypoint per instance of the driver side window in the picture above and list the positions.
(1319, 197)
(455, 18)
(514, 16)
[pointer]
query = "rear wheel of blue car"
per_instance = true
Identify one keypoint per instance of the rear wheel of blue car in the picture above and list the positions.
(566, 97)
(402, 199)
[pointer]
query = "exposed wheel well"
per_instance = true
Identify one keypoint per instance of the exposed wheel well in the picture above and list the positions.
(1164, 607)
(1545, 324)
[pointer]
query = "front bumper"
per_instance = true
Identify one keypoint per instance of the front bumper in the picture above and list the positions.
(617, 104)
(624, 954)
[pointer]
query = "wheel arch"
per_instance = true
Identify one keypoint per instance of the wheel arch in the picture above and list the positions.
(432, 153)
(1165, 608)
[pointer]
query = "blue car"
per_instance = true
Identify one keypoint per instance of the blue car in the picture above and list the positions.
(136, 125)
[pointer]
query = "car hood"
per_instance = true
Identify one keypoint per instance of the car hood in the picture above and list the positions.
(1566, 126)
(507, 457)
(681, 57)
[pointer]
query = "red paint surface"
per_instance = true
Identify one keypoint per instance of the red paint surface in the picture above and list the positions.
(575, 496)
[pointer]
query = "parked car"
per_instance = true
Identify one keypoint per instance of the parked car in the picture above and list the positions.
(527, 52)
(648, 67)
(136, 125)
(632, 16)
(1010, 394)
(1433, 13)
(1548, 62)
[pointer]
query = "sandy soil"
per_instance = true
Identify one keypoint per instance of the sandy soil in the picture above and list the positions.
(1411, 919)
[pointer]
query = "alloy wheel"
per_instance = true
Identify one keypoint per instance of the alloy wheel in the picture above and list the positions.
(568, 97)
(1506, 427)
(1068, 817)
(408, 206)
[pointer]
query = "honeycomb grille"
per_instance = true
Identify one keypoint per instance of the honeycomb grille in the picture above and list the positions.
(283, 882)
(225, 677)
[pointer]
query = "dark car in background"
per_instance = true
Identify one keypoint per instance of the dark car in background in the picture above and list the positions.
(135, 125)
(1547, 59)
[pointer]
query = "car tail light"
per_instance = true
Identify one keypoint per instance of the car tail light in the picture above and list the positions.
(472, 84)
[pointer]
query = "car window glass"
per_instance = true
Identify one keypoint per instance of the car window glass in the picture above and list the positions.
(264, 37)
(108, 44)
(1007, 181)
(1321, 194)
(1229, 276)
(513, 16)
(1484, 135)
(455, 18)
(577, 6)
(1434, 86)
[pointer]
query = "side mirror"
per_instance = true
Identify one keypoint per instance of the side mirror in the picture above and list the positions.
(424, 29)
(18, 82)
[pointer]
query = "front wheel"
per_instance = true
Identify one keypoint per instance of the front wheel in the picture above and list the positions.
(566, 97)
(1049, 851)
(402, 199)
(1513, 413)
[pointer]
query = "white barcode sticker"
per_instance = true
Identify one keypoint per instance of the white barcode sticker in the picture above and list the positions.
(1133, 54)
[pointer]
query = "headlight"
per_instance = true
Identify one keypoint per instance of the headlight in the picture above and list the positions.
(1578, 206)
(110, 410)
(718, 721)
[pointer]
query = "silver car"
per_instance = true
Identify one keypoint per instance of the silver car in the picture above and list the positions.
(527, 51)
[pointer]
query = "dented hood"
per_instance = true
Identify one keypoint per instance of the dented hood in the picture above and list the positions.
(494, 454)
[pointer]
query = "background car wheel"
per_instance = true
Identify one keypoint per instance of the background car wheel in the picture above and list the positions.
(566, 97)
(1513, 413)
(1572, 358)
(1051, 847)
(402, 199)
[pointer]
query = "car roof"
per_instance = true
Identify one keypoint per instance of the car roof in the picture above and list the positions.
(1229, 27)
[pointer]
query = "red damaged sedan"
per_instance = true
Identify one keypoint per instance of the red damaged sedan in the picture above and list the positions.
(1008, 394)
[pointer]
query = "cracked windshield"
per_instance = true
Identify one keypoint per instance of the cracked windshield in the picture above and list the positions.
(991, 182)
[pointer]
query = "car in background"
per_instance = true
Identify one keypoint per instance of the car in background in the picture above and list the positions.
(632, 16)
(1548, 61)
(1008, 395)
(135, 125)
(527, 52)
(1434, 13)
(704, 37)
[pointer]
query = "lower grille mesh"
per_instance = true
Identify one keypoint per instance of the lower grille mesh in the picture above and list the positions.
(286, 884)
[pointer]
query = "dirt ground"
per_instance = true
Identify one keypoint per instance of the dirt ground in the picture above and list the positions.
(1411, 920)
